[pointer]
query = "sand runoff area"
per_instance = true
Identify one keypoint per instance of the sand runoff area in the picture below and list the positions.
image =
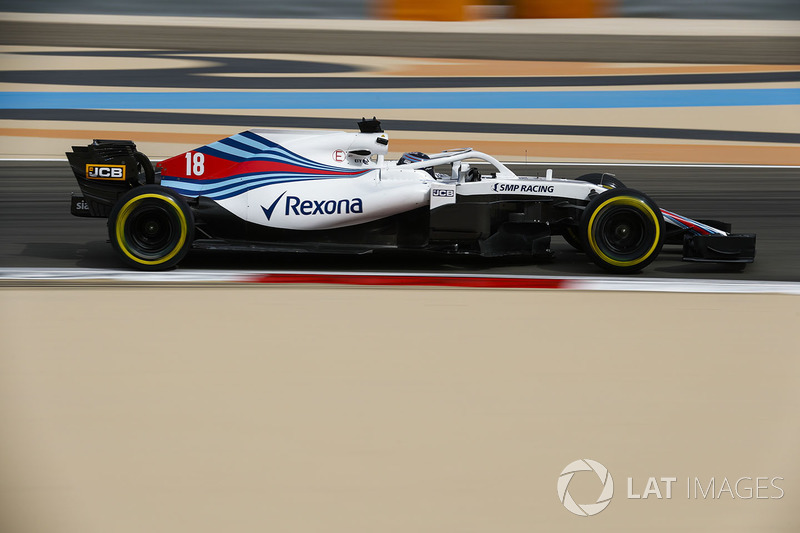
(345, 409)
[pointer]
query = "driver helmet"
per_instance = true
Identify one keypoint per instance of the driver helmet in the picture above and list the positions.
(415, 157)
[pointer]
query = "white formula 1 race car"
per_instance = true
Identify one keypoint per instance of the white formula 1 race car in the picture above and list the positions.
(312, 191)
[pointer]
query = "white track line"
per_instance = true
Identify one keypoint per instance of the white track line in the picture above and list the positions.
(245, 276)
(686, 285)
(98, 274)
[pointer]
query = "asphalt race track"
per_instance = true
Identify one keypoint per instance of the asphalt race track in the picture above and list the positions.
(37, 230)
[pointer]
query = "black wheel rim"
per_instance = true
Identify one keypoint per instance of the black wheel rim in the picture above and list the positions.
(624, 233)
(152, 230)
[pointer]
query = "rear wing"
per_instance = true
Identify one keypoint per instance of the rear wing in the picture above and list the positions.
(105, 170)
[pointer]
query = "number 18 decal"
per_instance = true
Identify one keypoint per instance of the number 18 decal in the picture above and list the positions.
(194, 163)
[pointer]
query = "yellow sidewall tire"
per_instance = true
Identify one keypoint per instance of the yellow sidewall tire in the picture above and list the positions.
(179, 219)
(652, 229)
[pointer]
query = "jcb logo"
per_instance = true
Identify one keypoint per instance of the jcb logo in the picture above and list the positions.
(444, 193)
(105, 172)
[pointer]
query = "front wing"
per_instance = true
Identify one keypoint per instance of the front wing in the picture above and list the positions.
(731, 248)
(709, 241)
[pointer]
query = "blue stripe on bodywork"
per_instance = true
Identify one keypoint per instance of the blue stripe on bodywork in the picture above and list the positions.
(235, 189)
(244, 147)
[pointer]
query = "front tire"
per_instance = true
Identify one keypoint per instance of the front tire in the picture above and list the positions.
(622, 230)
(151, 228)
(603, 179)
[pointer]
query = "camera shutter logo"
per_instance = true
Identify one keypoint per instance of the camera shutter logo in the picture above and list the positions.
(585, 509)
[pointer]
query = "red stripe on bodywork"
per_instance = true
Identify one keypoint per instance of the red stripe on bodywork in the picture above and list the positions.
(248, 167)
(213, 167)
(216, 168)
(418, 281)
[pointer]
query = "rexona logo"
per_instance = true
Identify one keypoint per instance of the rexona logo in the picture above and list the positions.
(297, 206)
(585, 509)
(524, 187)
(105, 172)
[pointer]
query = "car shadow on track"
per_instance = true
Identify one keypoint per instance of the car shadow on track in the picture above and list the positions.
(93, 254)
(566, 261)
(375, 262)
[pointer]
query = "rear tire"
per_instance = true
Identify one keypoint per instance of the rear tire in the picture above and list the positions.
(151, 228)
(622, 230)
